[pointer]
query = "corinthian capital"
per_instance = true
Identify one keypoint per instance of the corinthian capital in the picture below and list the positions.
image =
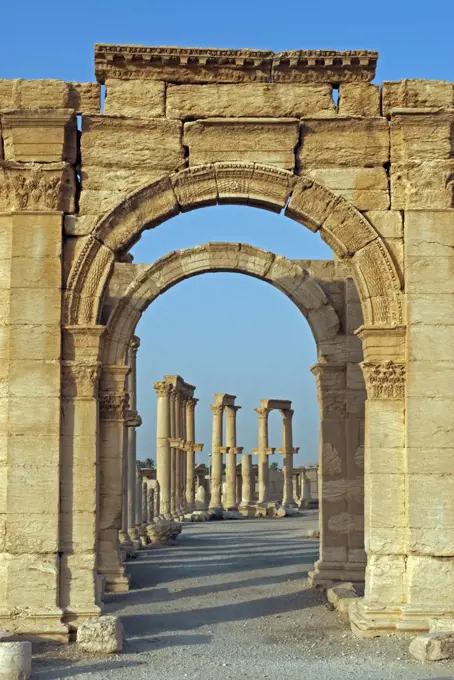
(162, 388)
(263, 413)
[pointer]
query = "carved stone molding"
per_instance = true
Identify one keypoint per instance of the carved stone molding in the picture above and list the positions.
(192, 64)
(80, 379)
(384, 380)
(112, 406)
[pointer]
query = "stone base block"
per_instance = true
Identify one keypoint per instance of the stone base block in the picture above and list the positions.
(103, 635)
(325, 574)
(16, 660)
(290, 510)
(370, 620)
(340, 596)
(116, 582)
(76, 617)
(433, 647)
(248, 511)
(163, 532)
(37, 628)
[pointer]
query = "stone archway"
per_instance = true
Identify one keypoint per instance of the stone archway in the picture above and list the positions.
(134, 287)
(348, 232)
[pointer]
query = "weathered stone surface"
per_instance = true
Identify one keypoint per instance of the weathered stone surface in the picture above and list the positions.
(163, 532)
(388, 223)
(49, 94)
(268, 141)
(341, 595)
(33, 187)
(416, 94)
(419, 136)
(15, 660)
(359, 99)
(265, 100)
(422, 185)
(39, 136)
(343, 142)
(366, 188)
(115, 141)
(433, 647)
(102, 635)
(135, 98)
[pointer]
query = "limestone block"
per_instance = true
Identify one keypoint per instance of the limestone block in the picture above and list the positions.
(30, 533)
(135, 98)
(268, 141)
(433, 647)
(36, 236)
(359, 99)
(39, 136)
(390, 488)
(119, 142)
(429, 421)
(267, 100)
(429, 234)
(78, 572)
(421, 137)
(78, 531)
(341, 595)
(425, 185)
(30, 306)
(343, 142)
(7, 88)
(432, 343)
(429, 579)
(388, 223)
(78, 487)
(163, 532)
(430, 378)
(34, 378)
(385, 578)
(103, 635)
(430, 540)
(415, 94)
(34, 415)
(15, 660)
(39, 591)
(366, 188)
(84, 98)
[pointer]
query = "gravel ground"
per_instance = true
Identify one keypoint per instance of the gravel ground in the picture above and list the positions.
(231, 601)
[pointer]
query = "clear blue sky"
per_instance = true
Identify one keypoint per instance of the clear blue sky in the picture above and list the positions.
(226, 332)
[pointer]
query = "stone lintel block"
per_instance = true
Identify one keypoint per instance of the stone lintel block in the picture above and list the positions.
(415, 94)
(135, 98)
(348, 141)
(270, 141)
(266, 100)
(120, 142)
(39, 135)
(47, 187)
(359, 99)
(422, 136)
(365, 188)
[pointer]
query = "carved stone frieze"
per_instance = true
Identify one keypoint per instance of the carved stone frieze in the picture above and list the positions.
(42, 188)
(80, 379)
(112, 406)
(189, 64)
(384, 380)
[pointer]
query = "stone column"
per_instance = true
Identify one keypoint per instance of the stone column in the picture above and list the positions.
(296, 480)
(191, 403)
(163, 458)
(80, 586)
(173, 457)
(263, 452)
(247, 508)
(182, 452)
(216, 458)
(123, 535)
(287, 452)
(239, 484)
(133, 421)
(178, 403)
(113, 399)
(230, 473)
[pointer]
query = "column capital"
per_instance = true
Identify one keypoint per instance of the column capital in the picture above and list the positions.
(230, 411)
(162, 388)
(80, 379)
(113, 405)
(217, 409)
(384, 380)
(268, 452)
(287, 413)
(263, 412)
(191, 403)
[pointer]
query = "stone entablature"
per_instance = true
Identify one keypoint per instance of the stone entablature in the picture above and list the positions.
(189, 64)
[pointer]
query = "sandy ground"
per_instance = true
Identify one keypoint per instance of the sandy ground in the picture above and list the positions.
(231, 601)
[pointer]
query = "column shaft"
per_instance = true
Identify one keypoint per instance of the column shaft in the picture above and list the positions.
(230, 472)
(163, 458)
(216, 458)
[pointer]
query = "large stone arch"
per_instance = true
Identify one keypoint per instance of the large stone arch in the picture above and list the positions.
(154, 280)
(348, 233)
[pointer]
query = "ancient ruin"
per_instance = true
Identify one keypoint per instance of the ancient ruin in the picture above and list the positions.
(184, 128)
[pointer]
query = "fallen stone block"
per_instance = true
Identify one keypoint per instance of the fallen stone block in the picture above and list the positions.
(163, 532)
(103, 635)
(433, 647)
(341, 595)
(15, 660)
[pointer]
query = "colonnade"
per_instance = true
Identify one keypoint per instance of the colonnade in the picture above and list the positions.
(175, 447)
